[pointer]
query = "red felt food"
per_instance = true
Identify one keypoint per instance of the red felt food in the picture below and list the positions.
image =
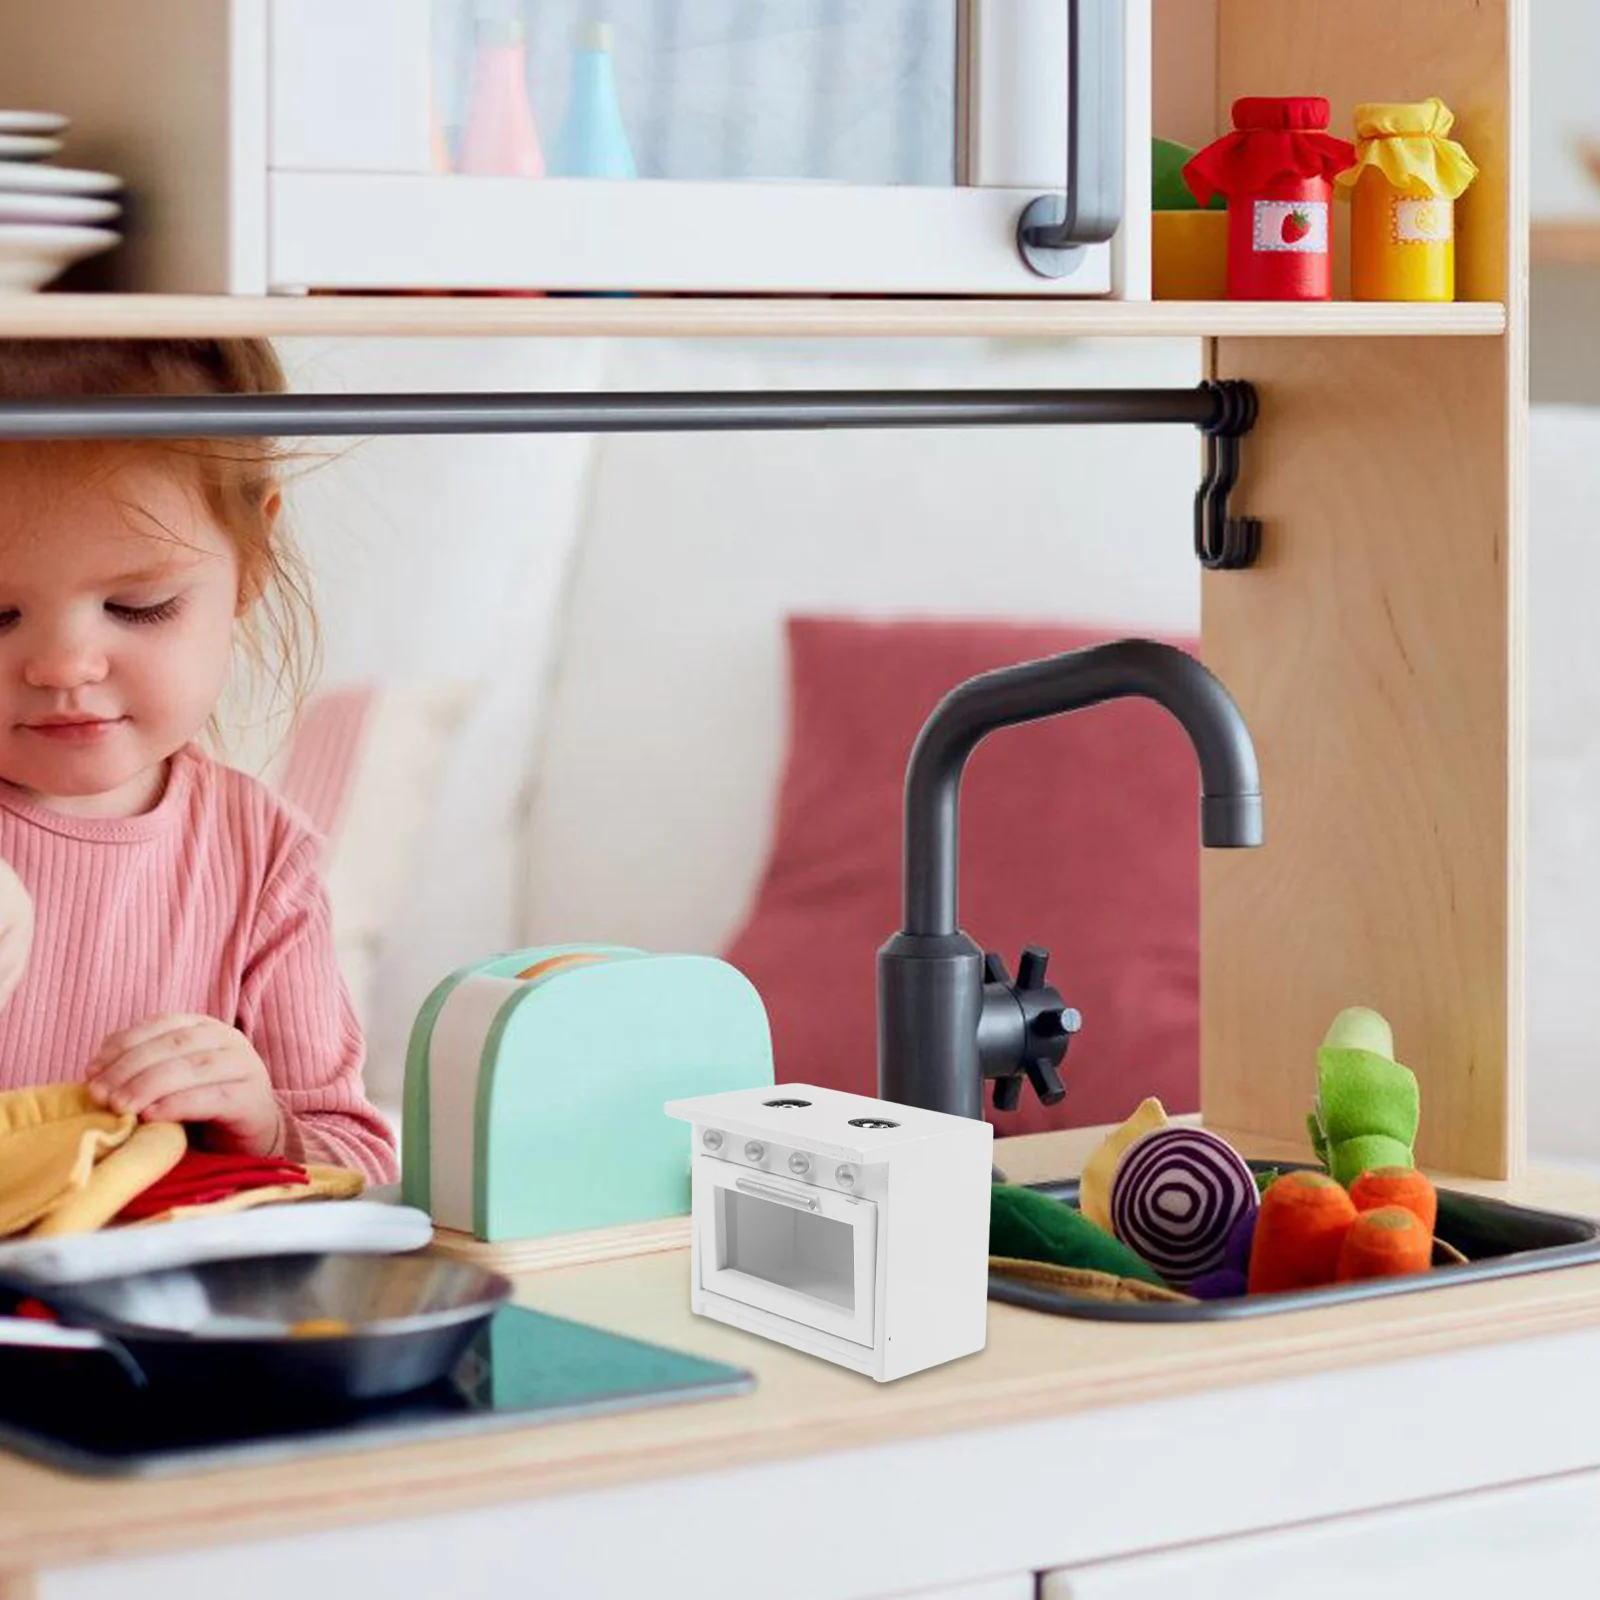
(202, 1177)
(1080, 834)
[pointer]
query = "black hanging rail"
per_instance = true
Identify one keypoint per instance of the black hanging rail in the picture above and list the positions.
(1222, 412)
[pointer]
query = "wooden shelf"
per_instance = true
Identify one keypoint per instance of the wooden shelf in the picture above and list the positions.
(54, 316)
(1571, 243)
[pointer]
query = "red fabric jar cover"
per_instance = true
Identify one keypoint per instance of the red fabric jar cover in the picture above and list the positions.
(1277, 170)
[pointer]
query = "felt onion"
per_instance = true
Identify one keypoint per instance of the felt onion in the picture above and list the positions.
(1177, 1195)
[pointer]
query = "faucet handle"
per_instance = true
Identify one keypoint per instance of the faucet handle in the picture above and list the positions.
(1025, 1031)
(1045, 1079)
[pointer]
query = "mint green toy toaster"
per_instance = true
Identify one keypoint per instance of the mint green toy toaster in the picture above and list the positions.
(535, 1081)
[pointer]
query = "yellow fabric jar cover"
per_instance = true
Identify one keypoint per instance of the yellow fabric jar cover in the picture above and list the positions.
(1407, 144)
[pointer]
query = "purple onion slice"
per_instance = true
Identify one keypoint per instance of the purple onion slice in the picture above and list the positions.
(1175, 1197)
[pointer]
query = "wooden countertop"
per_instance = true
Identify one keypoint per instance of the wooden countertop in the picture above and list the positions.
(1034, 1366)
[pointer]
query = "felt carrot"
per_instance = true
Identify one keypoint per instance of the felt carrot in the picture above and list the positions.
(1387, 1243)
(1397, 1186)
(1299, 1233)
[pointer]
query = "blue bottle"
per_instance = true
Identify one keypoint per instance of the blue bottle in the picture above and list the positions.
(593, 143)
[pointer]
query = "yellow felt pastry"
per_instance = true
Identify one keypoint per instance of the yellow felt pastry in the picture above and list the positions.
(151, 1152)
(327, 1183)
(1094, 1187)
(50, 1139)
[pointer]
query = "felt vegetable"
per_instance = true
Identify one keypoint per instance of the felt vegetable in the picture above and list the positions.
(1029, 1226)
(1389, 1242)
(1367, 1106)
(1094, 1187)
(1175, 1198)
(1397, 1186)
(1231, 1279)
(1299, 1233)
(1226, 1283)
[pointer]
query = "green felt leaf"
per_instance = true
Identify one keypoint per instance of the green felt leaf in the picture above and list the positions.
(1361, 1092)
(1352, 1157)
(1168, 191)
(1030, 1226)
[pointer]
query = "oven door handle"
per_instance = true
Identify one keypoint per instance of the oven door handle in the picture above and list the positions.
(765, 1192)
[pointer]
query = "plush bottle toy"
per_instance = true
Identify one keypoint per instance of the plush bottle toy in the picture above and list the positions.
(1403, 189)
(1276, 169)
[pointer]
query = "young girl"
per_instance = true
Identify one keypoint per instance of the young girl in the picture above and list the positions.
(164, 930)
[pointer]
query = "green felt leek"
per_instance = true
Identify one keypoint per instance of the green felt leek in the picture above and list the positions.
(1368, 1105)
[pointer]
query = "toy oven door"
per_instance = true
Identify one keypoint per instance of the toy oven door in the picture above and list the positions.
(800, 1252)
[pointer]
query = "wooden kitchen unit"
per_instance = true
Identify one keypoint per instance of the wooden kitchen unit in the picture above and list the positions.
(1103, 1438)
(1376, 652)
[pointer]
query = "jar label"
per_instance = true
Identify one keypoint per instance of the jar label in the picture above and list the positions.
(1426, 221)
(1297, 225)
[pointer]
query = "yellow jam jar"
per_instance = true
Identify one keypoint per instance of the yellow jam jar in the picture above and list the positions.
(1402, 189)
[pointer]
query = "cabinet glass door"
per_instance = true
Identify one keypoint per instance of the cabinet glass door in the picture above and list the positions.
(825, 91)
(699, 146)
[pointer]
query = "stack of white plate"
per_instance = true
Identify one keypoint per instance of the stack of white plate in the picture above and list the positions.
(50, 216)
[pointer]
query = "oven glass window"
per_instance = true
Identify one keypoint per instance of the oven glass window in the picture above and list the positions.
(796, 1250)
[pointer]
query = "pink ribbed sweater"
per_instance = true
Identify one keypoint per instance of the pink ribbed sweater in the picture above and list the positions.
(210, 903)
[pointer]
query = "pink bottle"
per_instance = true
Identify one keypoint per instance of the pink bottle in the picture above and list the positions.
(500, 138)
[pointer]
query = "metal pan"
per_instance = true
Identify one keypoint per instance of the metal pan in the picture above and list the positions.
(286, 1330)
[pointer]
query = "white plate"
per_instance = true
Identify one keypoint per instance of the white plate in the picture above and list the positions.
(33, 122)
(30, 257)
(369, 1227)
(40, 177)
(57, 208)
(27, 147)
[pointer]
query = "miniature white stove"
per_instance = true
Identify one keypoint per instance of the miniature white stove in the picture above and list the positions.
(851, 1228)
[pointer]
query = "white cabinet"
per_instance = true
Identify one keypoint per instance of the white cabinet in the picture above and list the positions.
(1540, 1538)
(807, 147)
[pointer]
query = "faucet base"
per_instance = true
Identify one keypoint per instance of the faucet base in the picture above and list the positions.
(930, 999)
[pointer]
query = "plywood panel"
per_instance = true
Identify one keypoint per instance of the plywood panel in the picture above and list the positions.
(1184, 71)
(1377, 650)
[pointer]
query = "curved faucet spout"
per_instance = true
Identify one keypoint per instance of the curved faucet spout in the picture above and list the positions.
(1230, 803)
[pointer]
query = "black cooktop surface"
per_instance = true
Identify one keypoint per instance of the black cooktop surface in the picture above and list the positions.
(76, 1410)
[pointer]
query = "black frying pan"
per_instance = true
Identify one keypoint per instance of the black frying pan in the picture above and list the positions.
(273, 1330)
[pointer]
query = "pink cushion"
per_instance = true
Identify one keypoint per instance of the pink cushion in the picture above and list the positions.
(1080, 834)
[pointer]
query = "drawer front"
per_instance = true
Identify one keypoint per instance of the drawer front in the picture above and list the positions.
(798, 1251)
(1529, 1539)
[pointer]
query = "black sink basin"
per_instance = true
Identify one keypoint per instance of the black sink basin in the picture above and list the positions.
(1498, 1239)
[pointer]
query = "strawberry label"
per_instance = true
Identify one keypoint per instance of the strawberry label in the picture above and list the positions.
(1298, 225)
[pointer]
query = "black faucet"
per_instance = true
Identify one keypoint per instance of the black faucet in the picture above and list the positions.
(948, 1016)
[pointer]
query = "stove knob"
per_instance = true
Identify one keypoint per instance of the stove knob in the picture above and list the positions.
(799, 1164)
(711, 1139)
(755, 1151)
(845, 1177)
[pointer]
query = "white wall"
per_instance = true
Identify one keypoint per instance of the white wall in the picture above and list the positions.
(643, 580)
(1564, 106)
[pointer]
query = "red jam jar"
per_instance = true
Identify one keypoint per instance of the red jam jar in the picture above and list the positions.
(1276, 169)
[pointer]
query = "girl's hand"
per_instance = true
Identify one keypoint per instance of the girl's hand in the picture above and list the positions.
(186, 1068)
(16, 930)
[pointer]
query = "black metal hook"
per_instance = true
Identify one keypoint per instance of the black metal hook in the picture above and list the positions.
(1222, 541)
